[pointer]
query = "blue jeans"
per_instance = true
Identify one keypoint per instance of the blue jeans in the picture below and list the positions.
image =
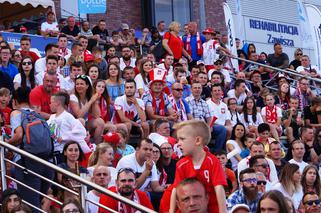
(219, 133)
(33, 181)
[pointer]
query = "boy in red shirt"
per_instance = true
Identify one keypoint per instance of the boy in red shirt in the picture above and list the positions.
(193, 136)
(5, 111)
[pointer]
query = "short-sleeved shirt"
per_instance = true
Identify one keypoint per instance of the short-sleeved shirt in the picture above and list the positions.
(129, 161)
(277, 61)
(148, 100)
(46, 26)
(103, 34)
(219, 111)
(175, 43)
(199, 108)
(130, 111)
(74, 32)
(39, 97)
(210, 174)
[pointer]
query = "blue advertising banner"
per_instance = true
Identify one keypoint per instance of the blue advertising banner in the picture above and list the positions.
(92, 6)
(38, 42)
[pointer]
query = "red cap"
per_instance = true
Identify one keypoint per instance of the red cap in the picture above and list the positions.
(112, 138)
(88, 57)
(208, 30)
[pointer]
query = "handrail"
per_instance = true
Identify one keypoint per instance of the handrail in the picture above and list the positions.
(274, 68)
(77, 178)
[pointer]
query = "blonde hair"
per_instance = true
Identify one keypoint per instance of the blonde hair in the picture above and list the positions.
(198, 128)
(4, 91)
(172, 25)
(100, 149)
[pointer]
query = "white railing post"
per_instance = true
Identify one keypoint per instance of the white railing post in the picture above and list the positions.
(3, 166)
(83, 192)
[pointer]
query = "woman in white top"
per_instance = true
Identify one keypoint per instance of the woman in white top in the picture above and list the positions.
(290, 184)
(103, 156)
(84, 103)
(142, 78)
(235, 145)
(232, 106)
(250, 117)
(26, 75)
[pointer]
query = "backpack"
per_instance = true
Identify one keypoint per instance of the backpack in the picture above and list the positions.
(37, 138)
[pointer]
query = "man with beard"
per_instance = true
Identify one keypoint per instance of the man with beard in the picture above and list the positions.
(311, 203)
(131, 110)
(126, 59)
(248, 193)
(125, 186)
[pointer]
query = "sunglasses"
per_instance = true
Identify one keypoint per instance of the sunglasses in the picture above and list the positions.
(261, 182)
(299, 54)
(27, 63)
(311, 202)
(178, 90)
(250, 180)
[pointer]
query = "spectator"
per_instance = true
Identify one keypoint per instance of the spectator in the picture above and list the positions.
(282, 99)
(123, 147)
(93, 72)
(161, 27)
(167, 65)
(248, 193)
(307, 136)
(71, 29)
(21, 101)
(156, 46)
(116, 41)
(156, 101)
(128, 74)
(310, 180)
(307, 69)
(85, 30)
(311, 202)
(179, 76)
(24, 208)
(127, 35)
(64, 127)
(126, 59)
(236, 145)
(40, 95)
(145, 40)
(131, 110)
(179, 104)
(61, 23)
(234, 114)
(16, 57)
(72, 205)
(10, 199)
(101, 177)
(275, 154)
(289, 184)
(194, 74)
(187, 190)
(239, 92)
(6, 66)
(114, 83)
(101, 33)
(40, 65)
(5, 110)
(100, 61)
(256, 86)
(312, 113)
(298, 150)
(250, 117)
(173, 44)
(193, 43)
(193, 136)
(126, 187)
(50, 27)
(25, 45)
(157, 157)
(69, 82)
(278, 59)
(259, 164)
(297, 59)
(273, 201)
(63, 49)
(26, 76)
(262, 182)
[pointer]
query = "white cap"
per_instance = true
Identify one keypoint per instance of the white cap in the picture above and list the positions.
(240, 206)
(157, 139)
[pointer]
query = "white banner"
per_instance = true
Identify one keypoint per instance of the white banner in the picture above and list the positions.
(231, 34)
(314, 16)
(304, 27)
(240, 23)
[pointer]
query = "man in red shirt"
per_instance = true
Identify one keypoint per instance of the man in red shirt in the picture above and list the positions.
(125, 186)
(40, 95)
(193, 136)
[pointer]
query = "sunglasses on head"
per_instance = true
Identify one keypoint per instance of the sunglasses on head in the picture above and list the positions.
(311, 202)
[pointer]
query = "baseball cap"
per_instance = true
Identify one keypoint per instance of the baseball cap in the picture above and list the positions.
(209, 30)
(158, 139)
(240, 206)
(124, 26)
(200, 62)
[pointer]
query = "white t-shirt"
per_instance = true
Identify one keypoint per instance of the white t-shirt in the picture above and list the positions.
(227, 77)
(46, 26)
(170, 74)
(209, 51)
(259, 120)
(68, 84)
(219, 111)
(237, 150)
(17, 79)
(129, 161)
(92, 208)
(296, 197)
(68, 128)
(300, 69)
(301, 164)
(240, 99)
(40, 66)
(130, 111)
(122, 64)
(140, 84)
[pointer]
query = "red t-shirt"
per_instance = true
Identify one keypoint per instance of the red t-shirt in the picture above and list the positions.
(210, 174)
(5, 113)
(113, 204)
(39, 97)
(175, 43)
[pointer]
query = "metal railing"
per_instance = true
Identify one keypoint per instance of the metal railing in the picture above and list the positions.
(84, 183)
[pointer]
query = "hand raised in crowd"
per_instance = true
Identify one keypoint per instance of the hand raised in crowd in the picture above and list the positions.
(149, 164)
(95, 97)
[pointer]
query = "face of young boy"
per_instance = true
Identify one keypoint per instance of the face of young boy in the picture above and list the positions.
(4, 100)
(222, 159)
(186, 140)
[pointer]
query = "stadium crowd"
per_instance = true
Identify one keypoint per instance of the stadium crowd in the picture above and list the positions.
(162, 119)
